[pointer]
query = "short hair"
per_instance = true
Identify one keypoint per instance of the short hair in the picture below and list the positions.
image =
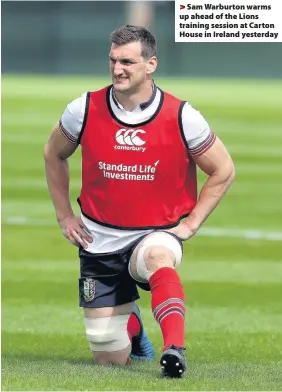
(127, 34)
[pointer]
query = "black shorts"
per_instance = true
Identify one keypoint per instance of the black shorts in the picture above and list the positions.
(105, 280)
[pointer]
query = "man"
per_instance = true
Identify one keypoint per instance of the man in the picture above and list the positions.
(140, 147)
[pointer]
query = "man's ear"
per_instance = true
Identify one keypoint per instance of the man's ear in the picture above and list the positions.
(152, 64)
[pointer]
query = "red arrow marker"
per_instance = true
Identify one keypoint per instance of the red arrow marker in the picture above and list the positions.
(182, 7)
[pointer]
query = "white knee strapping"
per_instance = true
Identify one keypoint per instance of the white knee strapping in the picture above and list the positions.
(107, 333)
(156, 239)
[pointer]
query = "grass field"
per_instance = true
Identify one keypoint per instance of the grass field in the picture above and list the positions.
(232, 270)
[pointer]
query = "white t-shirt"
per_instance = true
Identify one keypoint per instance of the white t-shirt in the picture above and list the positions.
(197, 133)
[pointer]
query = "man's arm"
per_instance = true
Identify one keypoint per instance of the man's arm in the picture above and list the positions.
(209, 153)
(218, 165)
(56, 152)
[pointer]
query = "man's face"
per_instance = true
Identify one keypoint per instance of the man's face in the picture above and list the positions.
(128, 68)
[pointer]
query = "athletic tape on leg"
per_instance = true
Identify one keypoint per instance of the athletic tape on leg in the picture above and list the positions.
(107, 333)
(156, 239)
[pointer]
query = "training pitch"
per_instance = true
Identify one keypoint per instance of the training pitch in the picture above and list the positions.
(232, 270)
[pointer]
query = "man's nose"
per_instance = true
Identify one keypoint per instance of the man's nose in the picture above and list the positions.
(117, 68)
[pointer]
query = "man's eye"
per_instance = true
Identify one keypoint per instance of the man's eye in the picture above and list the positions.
(123, 62)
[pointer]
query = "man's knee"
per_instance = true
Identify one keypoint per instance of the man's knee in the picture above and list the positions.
(120, 357)
(108, 338)
(157, 257)
(157, 250)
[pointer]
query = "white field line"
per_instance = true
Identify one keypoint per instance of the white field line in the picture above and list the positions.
(204, 319)
(30, 119)
(248, 234)
(191, 270)
(241, 169)
(239, 188)
(238, 149)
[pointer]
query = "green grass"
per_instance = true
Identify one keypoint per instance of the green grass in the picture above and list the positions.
(233, 284)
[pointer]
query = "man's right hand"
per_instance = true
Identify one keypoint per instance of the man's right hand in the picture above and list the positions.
(75, 231)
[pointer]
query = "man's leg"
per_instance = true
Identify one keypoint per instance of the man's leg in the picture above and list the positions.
(154, 260)
(142, 348)
(133, 326)
(110, 328)
(107, 333)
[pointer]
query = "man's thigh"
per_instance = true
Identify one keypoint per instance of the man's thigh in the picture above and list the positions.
(109, 311)
(105, 281)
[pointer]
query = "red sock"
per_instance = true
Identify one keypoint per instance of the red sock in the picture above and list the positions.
(133, 326)
(168, 305)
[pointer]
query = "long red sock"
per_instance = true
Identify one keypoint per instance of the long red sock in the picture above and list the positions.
(168, 305)
(133, 326)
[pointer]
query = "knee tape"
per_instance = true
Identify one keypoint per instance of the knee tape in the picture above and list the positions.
(107, 333)
(157, 239)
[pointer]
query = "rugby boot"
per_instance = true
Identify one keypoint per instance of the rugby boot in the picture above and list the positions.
(173, 362)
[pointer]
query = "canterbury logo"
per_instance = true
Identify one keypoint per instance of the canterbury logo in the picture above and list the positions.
(130, 137)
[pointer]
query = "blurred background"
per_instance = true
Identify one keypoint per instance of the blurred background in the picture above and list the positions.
(54, 51)
(71, 37)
